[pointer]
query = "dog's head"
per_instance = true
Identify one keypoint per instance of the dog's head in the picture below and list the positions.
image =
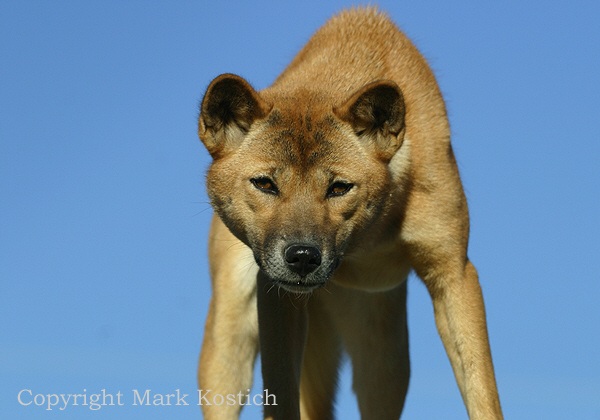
(297, 178)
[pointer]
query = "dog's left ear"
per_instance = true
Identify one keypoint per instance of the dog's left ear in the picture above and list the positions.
(376, 113)
(230, 106)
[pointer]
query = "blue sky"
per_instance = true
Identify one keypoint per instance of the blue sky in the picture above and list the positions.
(103, 212)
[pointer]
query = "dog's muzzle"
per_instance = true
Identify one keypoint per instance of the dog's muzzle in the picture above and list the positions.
(298, 267)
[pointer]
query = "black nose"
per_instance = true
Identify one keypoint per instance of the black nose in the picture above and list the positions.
(302, 259)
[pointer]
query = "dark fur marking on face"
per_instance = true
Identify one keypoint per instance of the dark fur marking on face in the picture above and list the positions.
(300, 139)
(308, 123)
(275, 118)
(287, 142)
(330, 120)
(319, 138)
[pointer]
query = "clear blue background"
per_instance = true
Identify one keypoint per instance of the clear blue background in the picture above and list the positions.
(103, 212)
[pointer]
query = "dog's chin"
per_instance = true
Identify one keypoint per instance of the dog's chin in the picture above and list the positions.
(291, 282)
(299, 287)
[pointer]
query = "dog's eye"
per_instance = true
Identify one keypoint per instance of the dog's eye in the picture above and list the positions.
(339, 188)
(265, 185)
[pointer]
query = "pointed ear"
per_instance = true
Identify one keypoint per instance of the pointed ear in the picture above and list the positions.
(229, 108)
(376, 113)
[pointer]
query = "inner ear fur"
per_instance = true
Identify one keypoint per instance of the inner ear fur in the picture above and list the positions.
(229, 107)
(376, 113)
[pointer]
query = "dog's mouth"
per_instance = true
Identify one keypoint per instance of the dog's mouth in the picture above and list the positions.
(299, 286)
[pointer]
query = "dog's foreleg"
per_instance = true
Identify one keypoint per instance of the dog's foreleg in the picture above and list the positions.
(282, 324)
(227, 360)
(230, 343)
(460, 318)
(439, 257)
(436, 234)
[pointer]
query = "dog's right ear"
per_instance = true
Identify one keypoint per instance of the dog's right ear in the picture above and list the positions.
(229, 108)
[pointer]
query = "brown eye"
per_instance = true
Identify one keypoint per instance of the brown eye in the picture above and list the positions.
(339, 188)
(265, 185)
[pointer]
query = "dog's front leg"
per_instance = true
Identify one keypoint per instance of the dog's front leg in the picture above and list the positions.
(282, 326)
(231, 335)
(460, 318)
